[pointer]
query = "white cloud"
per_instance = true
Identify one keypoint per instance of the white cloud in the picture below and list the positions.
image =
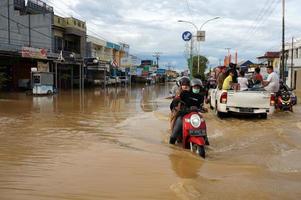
(150, 26)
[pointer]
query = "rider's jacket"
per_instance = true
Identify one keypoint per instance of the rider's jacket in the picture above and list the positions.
(188, 99)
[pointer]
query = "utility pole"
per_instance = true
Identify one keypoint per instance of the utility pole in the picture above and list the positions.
(157, 56)
(29, 30)
(8, 22)
(191, 58)
(282, 75)
(292, 62)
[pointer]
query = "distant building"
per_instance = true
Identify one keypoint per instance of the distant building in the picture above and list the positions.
(270, 59)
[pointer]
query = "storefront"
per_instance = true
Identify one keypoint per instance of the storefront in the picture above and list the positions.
(15, 67)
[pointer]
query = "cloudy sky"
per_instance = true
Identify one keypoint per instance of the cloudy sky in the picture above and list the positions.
(250, 27)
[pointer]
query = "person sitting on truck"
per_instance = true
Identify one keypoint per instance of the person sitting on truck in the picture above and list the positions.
(242, 81)
(272, 82)
(228, 82)
(233, 68)
(221, 77)
(257, 77)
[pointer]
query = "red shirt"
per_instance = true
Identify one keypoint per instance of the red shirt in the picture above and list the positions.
(258, 77)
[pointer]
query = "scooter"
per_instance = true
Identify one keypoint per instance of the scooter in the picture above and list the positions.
(194, 132)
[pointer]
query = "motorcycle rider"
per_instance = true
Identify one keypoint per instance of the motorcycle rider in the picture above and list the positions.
(188, 98)
(175, 89)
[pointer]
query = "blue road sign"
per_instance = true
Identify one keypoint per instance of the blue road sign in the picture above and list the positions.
(186, 36)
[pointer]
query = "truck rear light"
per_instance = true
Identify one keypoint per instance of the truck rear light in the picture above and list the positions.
(224, 97)
(272, 100)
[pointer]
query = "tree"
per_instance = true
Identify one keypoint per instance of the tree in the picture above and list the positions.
(203, 66)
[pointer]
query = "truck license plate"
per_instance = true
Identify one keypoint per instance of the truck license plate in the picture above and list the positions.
(246, 110)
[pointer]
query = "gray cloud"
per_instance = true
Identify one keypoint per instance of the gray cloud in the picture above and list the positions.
(150, 26)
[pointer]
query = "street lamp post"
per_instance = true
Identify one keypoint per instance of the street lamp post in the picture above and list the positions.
(197, 30)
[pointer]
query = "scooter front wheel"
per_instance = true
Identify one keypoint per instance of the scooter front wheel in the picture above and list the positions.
(201, 151)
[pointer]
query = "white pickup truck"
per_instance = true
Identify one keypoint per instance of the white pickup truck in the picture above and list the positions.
(247, 102)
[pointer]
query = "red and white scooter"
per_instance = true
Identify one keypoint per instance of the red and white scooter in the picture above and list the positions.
(194, 132)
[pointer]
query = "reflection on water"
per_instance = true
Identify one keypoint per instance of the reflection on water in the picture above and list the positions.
(113, 144)
(185, 166)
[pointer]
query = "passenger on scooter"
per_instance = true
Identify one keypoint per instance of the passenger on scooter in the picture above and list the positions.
(187, 99)
(175, 89)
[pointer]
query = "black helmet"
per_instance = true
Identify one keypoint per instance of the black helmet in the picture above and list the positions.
(184, 81)
(195, 82)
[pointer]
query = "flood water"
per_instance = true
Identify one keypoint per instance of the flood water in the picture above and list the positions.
(113, 144)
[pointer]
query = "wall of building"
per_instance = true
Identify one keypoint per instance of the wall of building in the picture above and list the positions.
(296, 65)
(24, 30)
(298, 84)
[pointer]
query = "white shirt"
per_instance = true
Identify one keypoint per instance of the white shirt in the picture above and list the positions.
(243, 82)
(273, 85)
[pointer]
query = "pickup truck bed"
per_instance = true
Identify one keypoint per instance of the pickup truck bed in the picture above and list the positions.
(249, 102)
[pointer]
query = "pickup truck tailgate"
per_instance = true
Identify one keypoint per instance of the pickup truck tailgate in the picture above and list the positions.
(248, 99)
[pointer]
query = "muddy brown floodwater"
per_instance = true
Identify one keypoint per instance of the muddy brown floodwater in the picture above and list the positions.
(113, 145)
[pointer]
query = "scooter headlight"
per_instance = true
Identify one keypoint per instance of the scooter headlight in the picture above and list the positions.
(195, 120)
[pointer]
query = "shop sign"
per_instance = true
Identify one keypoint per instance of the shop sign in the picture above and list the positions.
(29, 52)
(161, 71)
(145, 73)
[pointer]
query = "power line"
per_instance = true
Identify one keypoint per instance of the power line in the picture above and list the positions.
(262, 16)
(267, 14)
(188, 8)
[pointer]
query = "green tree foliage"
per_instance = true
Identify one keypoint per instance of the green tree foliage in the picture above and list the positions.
(203, 66)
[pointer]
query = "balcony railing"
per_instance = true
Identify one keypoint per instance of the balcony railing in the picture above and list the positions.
(37, 7)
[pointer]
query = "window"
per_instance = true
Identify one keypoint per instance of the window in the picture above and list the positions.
(59, 20)
(58, 44)
(74, 22)
(78, 24)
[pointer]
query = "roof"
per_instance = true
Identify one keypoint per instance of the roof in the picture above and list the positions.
(270, 54)
(245, 63)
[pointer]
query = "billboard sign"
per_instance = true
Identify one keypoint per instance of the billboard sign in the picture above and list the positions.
(161, 71)
(29, 52)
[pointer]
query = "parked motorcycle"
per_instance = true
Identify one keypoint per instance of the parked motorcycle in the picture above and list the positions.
(285, 98)
(284, 101)
(194, 132)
